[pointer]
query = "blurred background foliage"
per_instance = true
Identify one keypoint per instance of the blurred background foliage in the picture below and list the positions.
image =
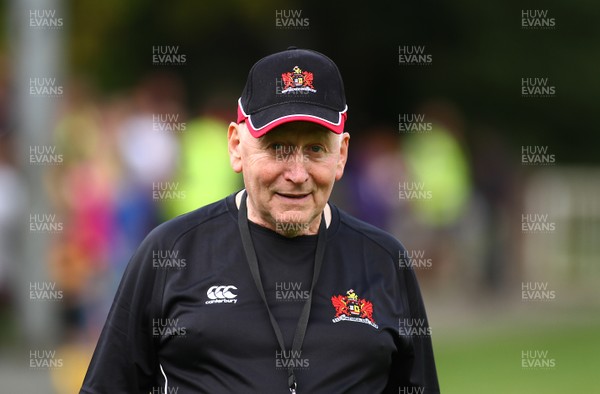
(480, 55)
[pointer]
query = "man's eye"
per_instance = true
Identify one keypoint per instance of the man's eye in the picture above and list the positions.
(316, 148)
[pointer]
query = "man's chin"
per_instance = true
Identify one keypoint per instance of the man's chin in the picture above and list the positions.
(292, 223)
(292, 229)
(290, 214)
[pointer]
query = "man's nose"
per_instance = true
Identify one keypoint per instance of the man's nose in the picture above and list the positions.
(295, 169)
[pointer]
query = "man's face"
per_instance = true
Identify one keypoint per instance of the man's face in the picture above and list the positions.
(288, 173)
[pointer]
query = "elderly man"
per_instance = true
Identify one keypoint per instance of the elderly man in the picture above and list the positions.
(273, 288)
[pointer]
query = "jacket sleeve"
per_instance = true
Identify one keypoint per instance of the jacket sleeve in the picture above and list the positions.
(413, 370)
(125, 359)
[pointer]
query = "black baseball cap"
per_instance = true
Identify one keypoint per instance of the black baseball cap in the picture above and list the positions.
(293, 85)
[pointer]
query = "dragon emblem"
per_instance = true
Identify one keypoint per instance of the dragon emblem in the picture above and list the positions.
(298, 80)
(352, 308)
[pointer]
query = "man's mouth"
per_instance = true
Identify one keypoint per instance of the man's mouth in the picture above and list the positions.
(295, 196)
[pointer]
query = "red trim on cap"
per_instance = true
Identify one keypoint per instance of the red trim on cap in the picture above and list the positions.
(337, 128)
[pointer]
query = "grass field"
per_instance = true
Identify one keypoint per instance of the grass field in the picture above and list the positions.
(491, 361)
(481, 356)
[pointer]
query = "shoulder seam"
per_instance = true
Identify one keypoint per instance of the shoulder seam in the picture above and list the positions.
(343, 220)
(184, 232)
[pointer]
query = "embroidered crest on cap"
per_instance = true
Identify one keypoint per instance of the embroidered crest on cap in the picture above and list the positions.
(298, 81)
(352, 308)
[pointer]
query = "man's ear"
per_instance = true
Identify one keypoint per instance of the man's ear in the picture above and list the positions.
(234, 146)
(344, 142)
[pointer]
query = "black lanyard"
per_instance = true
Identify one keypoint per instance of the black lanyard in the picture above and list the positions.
(253, 264)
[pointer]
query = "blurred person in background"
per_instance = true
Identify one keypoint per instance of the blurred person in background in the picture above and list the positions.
(203, 171)
(148, 156)
(495, 182)
(82, 196)
(371, 179)
(435, 191)
(81, 191)
(13, 205)
(13, 200)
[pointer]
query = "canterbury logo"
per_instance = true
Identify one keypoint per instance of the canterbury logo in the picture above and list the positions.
(221, 295)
